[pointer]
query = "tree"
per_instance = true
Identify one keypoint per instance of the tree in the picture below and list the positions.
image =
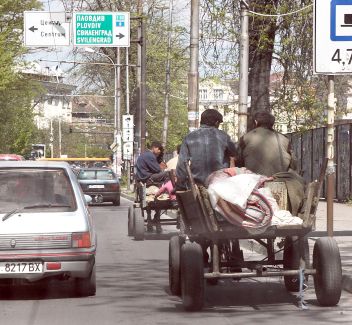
(16, 92)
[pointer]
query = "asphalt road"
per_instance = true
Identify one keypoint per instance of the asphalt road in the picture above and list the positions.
(132, 288)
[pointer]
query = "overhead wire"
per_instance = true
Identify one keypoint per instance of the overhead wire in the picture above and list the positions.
(277, 15)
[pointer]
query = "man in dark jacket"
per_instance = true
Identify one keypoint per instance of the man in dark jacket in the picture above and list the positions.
(147, 166)
(207, 148)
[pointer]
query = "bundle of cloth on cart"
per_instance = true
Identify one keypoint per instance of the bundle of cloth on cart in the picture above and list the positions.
(243, 198)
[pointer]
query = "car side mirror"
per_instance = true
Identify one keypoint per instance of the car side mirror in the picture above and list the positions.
(88, 198)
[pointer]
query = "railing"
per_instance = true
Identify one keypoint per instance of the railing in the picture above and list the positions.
(309, 149)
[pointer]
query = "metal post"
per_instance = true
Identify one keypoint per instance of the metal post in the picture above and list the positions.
(167, 79)
(128, 162)
(330, 180)
(143, 84)
(244, 54)
(118, 109)
(193, 74)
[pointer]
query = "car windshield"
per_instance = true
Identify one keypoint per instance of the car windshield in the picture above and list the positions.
(41, 189)
(96, 174)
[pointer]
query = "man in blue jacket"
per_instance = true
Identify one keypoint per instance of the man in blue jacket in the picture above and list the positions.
(147, 166)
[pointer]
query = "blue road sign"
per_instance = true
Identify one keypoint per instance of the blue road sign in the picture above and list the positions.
(341, 20)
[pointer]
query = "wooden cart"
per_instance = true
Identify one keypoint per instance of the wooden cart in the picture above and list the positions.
(140, 214)
(189, 268)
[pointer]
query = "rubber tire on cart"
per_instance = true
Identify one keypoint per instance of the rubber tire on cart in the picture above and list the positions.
(175, 244)
(138, 222)
(130, 221)
(328, 277)
(292, 261)
(192, 276)
(86, 286)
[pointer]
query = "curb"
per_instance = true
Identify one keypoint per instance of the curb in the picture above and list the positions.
(127, 196)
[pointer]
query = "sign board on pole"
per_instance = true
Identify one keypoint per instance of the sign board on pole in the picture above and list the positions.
(127, 122)
(127, 150)
(102, 29)
(45, 28)
(333, 36)
(127, 135)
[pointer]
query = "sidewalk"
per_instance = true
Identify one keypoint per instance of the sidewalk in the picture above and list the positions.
(342, 222)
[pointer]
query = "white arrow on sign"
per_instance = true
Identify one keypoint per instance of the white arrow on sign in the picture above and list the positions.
(44, 28)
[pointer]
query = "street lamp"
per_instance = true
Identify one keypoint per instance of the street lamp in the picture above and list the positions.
(117, 113)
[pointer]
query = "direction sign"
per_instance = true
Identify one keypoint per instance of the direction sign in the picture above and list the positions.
(45, 28)
(332, 36)
(101, 28)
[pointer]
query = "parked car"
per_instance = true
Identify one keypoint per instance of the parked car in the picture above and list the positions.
(46, 229)
(101, 184)
(10, 157)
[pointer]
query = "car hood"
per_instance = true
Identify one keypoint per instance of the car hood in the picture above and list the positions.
(43, 222)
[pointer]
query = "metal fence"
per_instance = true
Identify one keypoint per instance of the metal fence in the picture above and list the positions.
(309, 149)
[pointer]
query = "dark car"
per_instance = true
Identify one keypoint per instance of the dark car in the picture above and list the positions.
(101, 184)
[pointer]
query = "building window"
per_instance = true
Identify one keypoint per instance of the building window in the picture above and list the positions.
(203, 93)
(218, 94)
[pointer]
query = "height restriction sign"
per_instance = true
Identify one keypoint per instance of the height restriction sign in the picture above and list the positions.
(333, 36)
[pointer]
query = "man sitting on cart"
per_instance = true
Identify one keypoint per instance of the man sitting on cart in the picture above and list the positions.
(148, 171)
(267, 152)
(207, 149)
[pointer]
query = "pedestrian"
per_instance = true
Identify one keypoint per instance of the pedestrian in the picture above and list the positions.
(172, 163)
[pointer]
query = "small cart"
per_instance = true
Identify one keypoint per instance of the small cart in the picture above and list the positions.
(140, 214)
(188, 267)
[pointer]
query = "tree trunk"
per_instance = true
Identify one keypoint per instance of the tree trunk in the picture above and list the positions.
(261, 47)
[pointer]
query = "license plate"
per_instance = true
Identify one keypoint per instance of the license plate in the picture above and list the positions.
(20, 267)
(96, 186)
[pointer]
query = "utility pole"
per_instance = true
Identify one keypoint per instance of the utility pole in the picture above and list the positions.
(330, 179)
(193, 74)
(143, 83)
(167, 78)
(244, 54)
(138, 122)
(51, 139)
(128, 161)
(118, 111)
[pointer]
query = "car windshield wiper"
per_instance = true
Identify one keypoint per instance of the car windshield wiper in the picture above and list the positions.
(14, 211)
(48, 205)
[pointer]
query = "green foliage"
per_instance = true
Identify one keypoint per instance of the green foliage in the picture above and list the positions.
(16, 92)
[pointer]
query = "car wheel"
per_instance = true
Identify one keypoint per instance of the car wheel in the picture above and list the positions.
(192, 276)
(138, 221)
(175, 244)
(117, 201)
(328, 276)
(86, 286)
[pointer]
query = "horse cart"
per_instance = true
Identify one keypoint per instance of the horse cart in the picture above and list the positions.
(140, 214)
(189, 267)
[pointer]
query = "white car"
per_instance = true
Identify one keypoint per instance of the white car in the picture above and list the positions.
(46, 229)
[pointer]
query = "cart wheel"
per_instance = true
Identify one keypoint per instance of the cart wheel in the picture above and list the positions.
(328, 277)
(175, 244)
(138, 221)
(292, 261)
(130, 221)
(192, 276)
